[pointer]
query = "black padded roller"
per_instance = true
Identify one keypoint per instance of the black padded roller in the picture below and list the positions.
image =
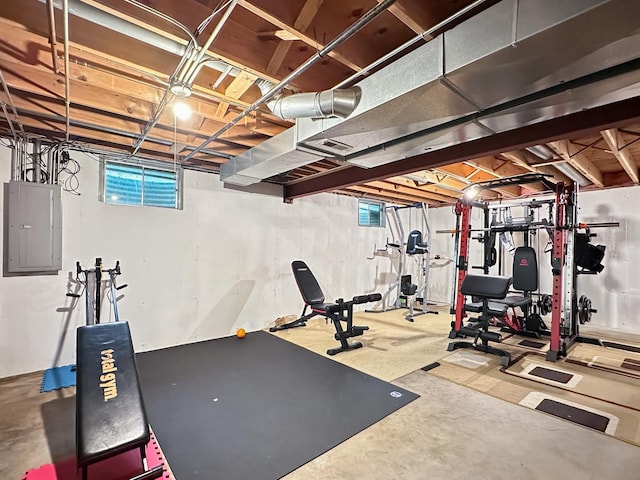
(360, 299)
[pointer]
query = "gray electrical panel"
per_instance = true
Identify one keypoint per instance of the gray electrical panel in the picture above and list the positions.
(33, 228)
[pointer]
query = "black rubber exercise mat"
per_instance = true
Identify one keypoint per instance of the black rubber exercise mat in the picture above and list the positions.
(255, 408)
(573, 414)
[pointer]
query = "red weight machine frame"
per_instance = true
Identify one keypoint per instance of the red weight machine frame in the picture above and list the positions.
(564, 324)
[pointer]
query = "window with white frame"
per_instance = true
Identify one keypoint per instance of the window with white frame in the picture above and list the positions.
(127, 184)
(370, 213)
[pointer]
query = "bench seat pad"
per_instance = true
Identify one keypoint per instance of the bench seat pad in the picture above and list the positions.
(110, 414)
(494, 308)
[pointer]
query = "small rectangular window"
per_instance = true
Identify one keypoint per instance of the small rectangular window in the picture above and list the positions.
(125, 184)
(370, 213)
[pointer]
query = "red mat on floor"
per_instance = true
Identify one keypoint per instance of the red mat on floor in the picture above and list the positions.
(122, 467)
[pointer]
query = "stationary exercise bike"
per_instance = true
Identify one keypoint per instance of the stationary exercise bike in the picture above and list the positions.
(91, 281)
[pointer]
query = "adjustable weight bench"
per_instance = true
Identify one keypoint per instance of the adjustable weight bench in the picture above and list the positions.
(338, 312)
(110, 413)
(485, 288)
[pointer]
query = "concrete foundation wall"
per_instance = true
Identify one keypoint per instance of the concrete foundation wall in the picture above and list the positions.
(221, 263)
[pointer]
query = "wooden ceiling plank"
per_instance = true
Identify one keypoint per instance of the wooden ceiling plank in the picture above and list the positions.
(431, 189)
(374, 196)
(526, 160)
(175, 10)
(614, 139)
(504, 169)
(392, 195)
(401, 189)
(304, 38)
(203, 101)
(401, 13)
(579, 161)
(238, 87)
(307, 13)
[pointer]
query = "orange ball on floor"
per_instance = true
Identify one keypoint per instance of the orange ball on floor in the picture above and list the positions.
(240, 333)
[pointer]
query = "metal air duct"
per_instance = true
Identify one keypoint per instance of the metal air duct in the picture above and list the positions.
(112, 22)
(328, 103)
(515, 64)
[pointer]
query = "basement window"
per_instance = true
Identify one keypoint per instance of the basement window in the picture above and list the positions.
(126, 184)
(370, 213)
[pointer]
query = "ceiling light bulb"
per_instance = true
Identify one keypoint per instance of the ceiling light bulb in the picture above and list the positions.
(180, 90)
(472, 192)
(182, 110)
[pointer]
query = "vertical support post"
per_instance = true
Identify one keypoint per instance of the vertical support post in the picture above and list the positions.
(98, 272)
(486, 243)
(557, 266)
(464, 210)
(36, 161)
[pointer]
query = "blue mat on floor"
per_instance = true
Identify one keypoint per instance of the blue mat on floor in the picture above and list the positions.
(58, 377)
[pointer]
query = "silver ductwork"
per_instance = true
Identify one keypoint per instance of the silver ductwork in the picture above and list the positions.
(336, 102)
(515, 64)
(329, 103)
(112, 22)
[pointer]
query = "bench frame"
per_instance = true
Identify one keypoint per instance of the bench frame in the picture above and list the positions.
(126, 416)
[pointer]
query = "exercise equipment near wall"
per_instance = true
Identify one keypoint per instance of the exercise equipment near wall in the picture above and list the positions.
(339, 312)
(403, 292)
(110, 413)
(571, 254)
(90, 281)
(486, 288)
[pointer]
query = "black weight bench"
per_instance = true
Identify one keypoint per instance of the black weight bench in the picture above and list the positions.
(338, 312)
(110, 413)
(485, 288)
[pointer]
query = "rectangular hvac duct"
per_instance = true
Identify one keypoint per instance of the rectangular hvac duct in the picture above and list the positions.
(514, 64)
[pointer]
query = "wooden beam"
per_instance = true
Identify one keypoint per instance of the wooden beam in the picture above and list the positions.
(375, 196)
(307, 13)
(579, 161)
(433, 189)
(503, 168)
(104, 85)
(391, 195)
(409, 190)
(527, 160)
(614, 139)
(304, 38)
(473, 174)
(577, 124)
(402, 14)
(238, 87)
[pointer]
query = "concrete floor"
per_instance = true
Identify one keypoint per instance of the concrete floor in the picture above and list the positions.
(450, 433)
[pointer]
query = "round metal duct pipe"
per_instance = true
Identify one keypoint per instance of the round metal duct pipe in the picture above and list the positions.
(327, 103)
(111, 22)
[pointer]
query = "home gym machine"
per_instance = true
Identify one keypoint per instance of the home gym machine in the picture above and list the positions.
(405, 293)
(572, 254)
(90, 280)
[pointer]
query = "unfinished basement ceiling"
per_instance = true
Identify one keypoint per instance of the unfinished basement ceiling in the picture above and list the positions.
(492, 89)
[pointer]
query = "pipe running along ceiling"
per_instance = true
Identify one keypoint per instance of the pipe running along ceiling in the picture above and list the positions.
(505, 68)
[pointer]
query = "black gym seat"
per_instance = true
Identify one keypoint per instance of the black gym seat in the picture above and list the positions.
(338, 312)
(525, 278)
(485, 288)
(110, 413)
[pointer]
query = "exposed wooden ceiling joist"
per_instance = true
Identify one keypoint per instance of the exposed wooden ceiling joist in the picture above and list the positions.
(316, 45)
(302, 22)
(614, 139)
(578, 160)
(577, 124)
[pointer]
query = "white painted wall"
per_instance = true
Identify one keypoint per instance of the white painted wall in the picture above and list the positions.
(224, 262)
(615, 292)
(221, 263)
